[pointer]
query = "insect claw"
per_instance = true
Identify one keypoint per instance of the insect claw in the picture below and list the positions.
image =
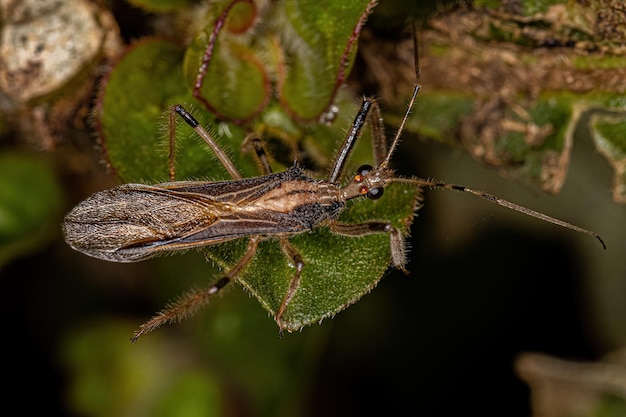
(138, 333)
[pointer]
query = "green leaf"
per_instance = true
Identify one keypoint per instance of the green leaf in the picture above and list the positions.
(338, 270)
(318, 60)
(198, 372)
(235, 85)
(233, 62)
(438, 115)
(131, 108)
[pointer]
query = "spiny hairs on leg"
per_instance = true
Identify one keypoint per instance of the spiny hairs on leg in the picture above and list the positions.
(185, 306)
(399, 249)
(192, 301)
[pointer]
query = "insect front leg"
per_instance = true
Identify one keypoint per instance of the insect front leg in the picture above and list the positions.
(369, 111)
(398, 247)
(191, 301)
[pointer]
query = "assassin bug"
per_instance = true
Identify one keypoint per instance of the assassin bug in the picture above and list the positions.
(133, 222)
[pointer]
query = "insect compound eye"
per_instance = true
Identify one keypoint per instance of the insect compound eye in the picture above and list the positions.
(360, 175)
(364, 169)
(375, 193)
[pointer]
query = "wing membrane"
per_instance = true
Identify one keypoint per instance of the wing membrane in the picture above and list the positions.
(114, 224)
(133, 222)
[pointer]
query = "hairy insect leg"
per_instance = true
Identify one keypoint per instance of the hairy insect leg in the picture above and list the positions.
(398, 247)
(204, 134)
(252, 140)
(370, 110)
(348, 144)
(295, 279)
(191, 301)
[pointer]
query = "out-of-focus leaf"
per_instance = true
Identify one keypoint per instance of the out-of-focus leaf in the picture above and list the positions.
(236, 84)
(562, 388)
(439, 114)
(160, 6)
(318, 61)
(30, 204)
(109, 378)
(510, 84)
(305, 48)
(608, 132)
(206, 368)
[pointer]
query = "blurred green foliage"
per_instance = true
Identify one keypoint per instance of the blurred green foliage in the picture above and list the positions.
(30, 204)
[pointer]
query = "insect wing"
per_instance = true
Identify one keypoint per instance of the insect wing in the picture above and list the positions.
(133, 222)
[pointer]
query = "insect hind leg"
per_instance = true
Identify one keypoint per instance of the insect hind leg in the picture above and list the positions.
(192, 301)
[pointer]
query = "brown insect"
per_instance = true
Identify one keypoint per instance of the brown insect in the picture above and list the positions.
(133, 222)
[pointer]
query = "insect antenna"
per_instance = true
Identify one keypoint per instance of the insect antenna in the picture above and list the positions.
(499, 201)
(409, 109)
(442, 185)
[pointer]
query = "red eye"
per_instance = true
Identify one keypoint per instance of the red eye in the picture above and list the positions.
(363, 189)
